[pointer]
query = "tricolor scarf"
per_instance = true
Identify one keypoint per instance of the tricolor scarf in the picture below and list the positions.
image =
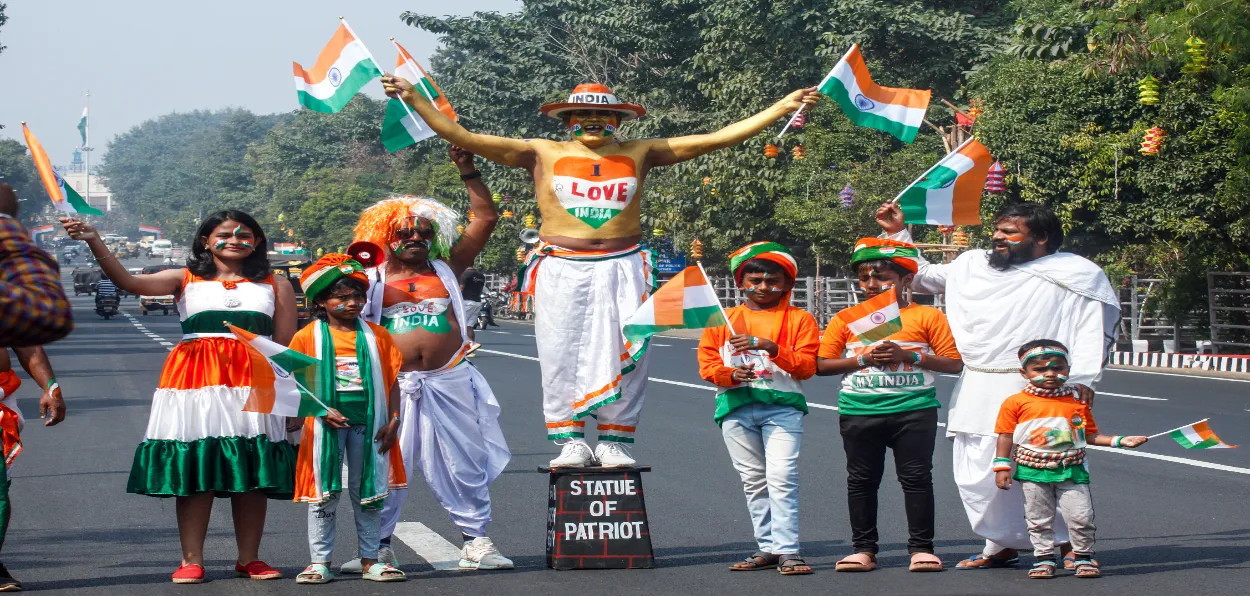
(325, 452)
(1032, 389)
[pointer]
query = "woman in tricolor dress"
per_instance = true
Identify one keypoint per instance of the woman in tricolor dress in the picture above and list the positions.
(199, 442)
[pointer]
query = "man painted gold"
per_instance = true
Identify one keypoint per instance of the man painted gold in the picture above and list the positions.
(589, 273)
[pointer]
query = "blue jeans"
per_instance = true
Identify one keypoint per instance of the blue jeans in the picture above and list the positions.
(763, 442)
(322, 516)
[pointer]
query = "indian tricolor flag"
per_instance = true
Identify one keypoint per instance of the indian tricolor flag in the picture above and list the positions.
(873, 319)
(63, 196)
(687, 301)
(280, 378)
(949, 194)
(401, 126)
(38, 231)
(150, 230)
(1198, 436)
(342, 69)
(899, 112)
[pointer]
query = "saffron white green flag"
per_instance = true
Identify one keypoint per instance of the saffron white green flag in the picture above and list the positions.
(402, 126)
(276, 374)
(342, 69)
(687, 301)
(1198, 436)
(874, 319)
(82, 126)
(949, 194)
(899, 112)
(64, 197)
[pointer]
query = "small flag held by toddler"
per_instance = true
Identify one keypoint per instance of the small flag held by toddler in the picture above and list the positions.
(1196, 436)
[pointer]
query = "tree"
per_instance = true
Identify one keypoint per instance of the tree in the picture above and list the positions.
(18, 171)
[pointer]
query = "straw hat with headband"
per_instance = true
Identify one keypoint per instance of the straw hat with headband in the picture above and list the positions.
(593, 96)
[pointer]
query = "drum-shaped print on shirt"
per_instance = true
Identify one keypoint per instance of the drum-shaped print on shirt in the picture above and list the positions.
(595, 190)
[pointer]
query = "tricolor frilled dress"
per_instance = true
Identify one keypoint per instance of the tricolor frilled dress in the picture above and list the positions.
(199, 439)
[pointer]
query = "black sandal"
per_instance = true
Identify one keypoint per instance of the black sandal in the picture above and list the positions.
(793, 565)
(7, 582)
(755, 562)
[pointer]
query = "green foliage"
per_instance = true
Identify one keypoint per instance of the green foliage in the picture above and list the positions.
(18, 171)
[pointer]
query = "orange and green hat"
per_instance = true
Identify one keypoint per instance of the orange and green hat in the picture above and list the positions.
(593, 96)
(769, 251)
(903, 254)
(327, 270)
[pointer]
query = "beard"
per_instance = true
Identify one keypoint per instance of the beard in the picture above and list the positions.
(1020, 253)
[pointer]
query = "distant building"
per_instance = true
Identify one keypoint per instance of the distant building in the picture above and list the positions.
(76, 176)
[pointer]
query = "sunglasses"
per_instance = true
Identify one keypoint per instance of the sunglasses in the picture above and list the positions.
(409, 233)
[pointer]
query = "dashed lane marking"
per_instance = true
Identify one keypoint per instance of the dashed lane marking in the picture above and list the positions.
(144, 330)
(1167, 458)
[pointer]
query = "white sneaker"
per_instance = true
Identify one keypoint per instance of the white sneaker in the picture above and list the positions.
(613, 455)
(386, 554)
(574, 454)
(480, 553)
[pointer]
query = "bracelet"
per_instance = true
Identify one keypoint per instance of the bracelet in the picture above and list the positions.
(860, 359)
(98, 259)
(1002, 468)
(1115, 441)
(755, 341)
(917, 358)
(51, 383)
(395, 415)
(1002, 460)
(471, 175)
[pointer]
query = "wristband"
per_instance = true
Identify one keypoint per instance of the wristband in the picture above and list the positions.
(395, 415)
(916, 358)
(471, 175)
(755, 341)
(860, 360)
(1115, 441)
(1002, 460)
(51, 383)
(1002, 468)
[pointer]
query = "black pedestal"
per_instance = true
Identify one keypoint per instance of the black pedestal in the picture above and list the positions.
(597, 519)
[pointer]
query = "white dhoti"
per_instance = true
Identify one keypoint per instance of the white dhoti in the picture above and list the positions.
(580, 307)
(449, 426)
(996, 515)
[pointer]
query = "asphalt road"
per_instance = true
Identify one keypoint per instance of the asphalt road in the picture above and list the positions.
(1165, 525)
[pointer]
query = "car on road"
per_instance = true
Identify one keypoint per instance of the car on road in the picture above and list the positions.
(149, 304)
(161, 249)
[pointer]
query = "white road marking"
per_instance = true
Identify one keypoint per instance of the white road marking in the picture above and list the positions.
(436, 550)
(665, 346)
(145, 331)
(1167, 374)
(527, 335)
(166, 343)
(1168, 458)
(1097, 393)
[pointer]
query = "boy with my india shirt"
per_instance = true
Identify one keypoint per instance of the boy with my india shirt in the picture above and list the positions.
(888, 400)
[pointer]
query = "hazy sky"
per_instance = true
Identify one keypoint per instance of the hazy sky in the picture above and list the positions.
(145, 58)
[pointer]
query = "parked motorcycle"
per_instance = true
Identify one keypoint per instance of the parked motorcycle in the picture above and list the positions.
(107, 306)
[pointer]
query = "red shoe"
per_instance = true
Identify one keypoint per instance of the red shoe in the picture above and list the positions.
(189, 574)
(257, 570)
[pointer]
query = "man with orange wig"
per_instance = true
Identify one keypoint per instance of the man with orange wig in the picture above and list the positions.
(448, 414)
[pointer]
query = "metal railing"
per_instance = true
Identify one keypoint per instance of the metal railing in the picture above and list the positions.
(1228, 299)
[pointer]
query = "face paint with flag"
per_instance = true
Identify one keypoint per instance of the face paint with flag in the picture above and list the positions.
(343, 68)
(949, 194)
(1198, 436)
(281, 378)
(899, 112)
(63, 196)
(687, 301)
(403, 127)
(874, 319)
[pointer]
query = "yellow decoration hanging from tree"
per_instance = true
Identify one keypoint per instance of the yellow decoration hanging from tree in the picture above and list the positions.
(1197, 51)
(1148, 90)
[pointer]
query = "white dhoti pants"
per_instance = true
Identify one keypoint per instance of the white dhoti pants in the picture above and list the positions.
(449, 426)
(580, 308)
(996, 515)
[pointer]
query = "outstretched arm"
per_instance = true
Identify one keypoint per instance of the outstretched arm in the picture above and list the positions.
(484, 214)
(509, 152)
(156, 284)
(663, 152)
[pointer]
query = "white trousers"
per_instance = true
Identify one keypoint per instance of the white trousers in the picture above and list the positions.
(580, 308)
(449, 426)
(996, 515)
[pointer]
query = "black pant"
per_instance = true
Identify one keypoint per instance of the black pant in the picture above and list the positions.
(865, 439)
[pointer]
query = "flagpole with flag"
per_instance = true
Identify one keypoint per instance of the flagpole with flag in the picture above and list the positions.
(344, 66)
(86, 142)
(401, 130)
(952, 196)
(1183, 426)
(821, 85)
(371, 58)
(1195, 435)
(64, 198)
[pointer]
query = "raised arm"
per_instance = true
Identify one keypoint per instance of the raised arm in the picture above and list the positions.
(930, 278)
(156, 284)
(663, 152)
(484, 214)
(503, 150)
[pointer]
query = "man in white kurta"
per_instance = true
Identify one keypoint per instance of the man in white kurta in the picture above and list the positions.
(996, 300)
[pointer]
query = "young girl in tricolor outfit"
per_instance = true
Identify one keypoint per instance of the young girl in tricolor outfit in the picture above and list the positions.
(356, 379)
(199, 442)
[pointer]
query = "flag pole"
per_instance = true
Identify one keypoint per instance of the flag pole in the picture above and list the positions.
(931, 168)
(1168, 432)
(416, 85)
(310, 393)
(372, 59)
(822, 84)
(87, 149)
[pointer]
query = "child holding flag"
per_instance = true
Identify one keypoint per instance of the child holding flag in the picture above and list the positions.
(756, 364)
(888, 350)
(1044, 430)
(356, 379)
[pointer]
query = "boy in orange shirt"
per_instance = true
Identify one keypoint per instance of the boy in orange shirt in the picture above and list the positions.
(759, 401)
(888, 401)
(1044, 430)
(357, 372)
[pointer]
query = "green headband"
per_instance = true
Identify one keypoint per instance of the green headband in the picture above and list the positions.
(1042, 351)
